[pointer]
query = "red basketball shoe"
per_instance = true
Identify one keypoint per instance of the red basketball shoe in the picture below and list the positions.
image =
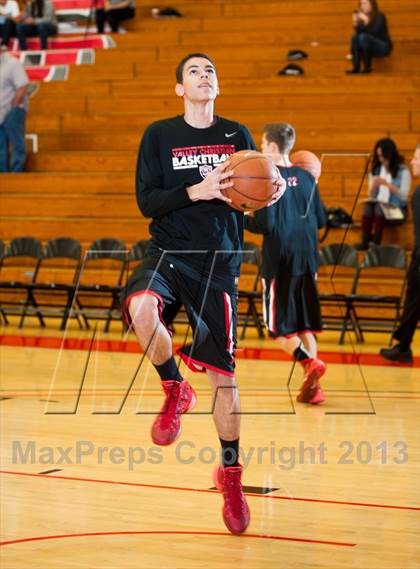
(235, 509)
(180, 398)
(311, 391)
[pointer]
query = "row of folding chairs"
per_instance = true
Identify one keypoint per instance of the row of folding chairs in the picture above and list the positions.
(358, 296)
(59, 280)
(365, 296)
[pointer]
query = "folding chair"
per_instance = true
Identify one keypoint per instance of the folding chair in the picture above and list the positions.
(136, 255)
(17, 269)
(337, 266)
(100, 281)
(53, 285)
(249, 293)
(383, 270)
(2, 249)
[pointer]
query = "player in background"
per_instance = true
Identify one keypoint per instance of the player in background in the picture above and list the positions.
(290, 227)
(194, 259)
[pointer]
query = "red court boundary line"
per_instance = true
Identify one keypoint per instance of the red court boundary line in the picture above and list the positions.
(204, 490)
(212, 533)
(267, 354)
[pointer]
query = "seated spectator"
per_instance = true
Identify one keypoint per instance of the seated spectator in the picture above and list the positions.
(38, 19)
(389, 183)
(115, 12)
(9, 12)
(371, 37)
(13, 108)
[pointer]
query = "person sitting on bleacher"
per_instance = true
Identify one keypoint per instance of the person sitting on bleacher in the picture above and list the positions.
(13, 108)
(9, 11)
(37, 19)
(371, 37)
(389, 186)
(115, 11)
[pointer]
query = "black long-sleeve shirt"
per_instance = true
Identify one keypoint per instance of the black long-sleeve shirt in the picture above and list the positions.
(377, 28)
(173, 156)
(290, 226)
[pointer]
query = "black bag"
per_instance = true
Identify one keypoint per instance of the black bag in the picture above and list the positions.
(337, 217)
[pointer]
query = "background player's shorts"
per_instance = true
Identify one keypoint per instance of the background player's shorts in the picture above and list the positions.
(291, 305)
(212, 312)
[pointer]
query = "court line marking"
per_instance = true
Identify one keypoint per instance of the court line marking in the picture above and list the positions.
(244, 393)
(246, 353)
(14, 394)
(210, 533)
(205, 490)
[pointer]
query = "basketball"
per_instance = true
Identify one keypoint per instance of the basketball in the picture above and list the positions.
(308, 161)
(254, 180)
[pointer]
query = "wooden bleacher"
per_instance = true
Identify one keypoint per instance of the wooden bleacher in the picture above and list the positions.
(81, 183)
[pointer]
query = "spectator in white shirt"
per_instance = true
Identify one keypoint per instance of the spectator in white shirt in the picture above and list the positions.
(389, 183)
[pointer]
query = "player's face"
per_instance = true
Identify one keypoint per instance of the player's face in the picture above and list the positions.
(264, 145)
(199, 80)
(415, 163)
(365, 6)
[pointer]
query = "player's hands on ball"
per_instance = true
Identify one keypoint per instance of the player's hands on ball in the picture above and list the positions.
(213, 184)
(281, 188)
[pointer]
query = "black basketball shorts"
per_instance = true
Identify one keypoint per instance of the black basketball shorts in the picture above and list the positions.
(291, 305)
(211, 311)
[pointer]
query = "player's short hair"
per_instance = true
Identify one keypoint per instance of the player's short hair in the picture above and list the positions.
(282, 134)
(180, 67)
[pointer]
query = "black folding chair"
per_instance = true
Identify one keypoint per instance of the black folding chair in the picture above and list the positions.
(53, 285)
(337, 266)
(136, 255)
(17, 269)
(100, 281)
(378, 288)
(2, 249)
(249, 293)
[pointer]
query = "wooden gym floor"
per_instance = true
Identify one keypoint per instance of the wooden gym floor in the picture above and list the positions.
(333, 486)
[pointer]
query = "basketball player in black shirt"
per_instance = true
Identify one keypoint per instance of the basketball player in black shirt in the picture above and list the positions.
(194, 259)
(290, 228)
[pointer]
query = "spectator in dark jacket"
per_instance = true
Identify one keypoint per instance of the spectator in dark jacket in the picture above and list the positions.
(115, 11)
(370, 38)
(404, 334)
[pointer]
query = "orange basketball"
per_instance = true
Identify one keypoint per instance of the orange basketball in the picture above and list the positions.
(254, 176)
(308, 161)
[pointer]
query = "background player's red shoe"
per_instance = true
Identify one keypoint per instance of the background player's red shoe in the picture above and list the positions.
(311, 392)
(235, 509)
(318, 397)
(180, 398)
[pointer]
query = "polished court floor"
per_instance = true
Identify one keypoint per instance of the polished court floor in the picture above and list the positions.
(83, 486)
